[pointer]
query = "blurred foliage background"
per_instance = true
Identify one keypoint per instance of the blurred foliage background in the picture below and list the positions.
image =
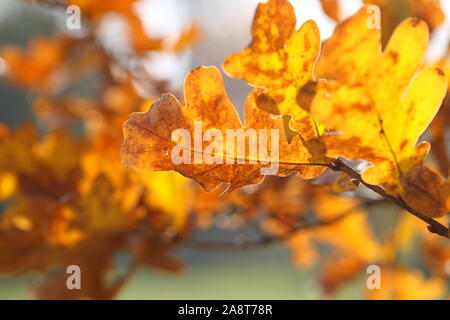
(263, 273)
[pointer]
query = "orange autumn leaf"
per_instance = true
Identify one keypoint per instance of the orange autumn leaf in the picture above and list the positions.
(150, 144)
(378, 97)
(426, 191)
(35, 67)
(281, 60)
(439, 126)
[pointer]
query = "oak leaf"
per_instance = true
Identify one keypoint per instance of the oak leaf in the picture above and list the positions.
(149, 144)
(281, 60)
(426, 191)
(378, 97)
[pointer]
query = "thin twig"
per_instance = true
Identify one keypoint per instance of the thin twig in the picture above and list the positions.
(267, 240)
(433, 225)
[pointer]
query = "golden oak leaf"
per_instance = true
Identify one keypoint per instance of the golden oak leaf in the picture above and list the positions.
(378, 98)
(426, 191)
(281, 60)
(439, 126)
(151, 141)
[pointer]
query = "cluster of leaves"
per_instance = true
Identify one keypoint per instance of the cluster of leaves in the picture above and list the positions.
(345, 103)
(67, 198)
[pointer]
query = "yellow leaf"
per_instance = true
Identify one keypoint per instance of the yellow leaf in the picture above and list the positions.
(379, 99)
(281, 60)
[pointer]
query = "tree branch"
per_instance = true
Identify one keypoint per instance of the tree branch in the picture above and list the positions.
(433, 225)
(266, 240)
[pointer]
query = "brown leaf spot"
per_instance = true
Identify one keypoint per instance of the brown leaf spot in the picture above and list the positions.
(403, 144)
(306, 95)
(440, 72)
(394, 56)
(307, 43)
(267, 103)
